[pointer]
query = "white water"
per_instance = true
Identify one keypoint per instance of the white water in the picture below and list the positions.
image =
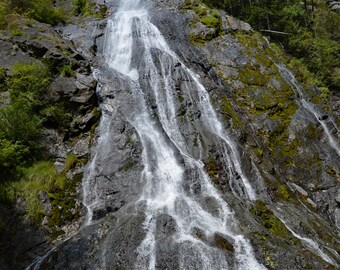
(333, 140)
(310, 244)
(166, 155)
(91, 196)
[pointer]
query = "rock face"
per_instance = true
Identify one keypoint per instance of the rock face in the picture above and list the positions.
(65, 133)
(334, 5)
(287, 148)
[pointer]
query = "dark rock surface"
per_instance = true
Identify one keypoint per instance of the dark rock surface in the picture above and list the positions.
(283, 147)
(22, 240)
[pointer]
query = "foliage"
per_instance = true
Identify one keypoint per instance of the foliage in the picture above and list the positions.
(41, 10)
(80, 7)
(10, 154)
(43, 176)
(28, 80)
(20, 121)
(313, 31)
(210, 21)
(67, 71)
(40, 176)
(3, 13)
(2, 79)
(44, 11)
(85, 8)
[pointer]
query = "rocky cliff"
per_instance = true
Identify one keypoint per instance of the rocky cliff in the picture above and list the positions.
(281, 129)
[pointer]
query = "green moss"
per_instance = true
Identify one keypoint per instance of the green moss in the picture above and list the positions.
(210, 21)
(16, 32)
(270, 261)
(213, 167)
(60, 182)
(200, 10)
(282, 193)
(3, 76)
(324, 93)
(40, 176)
(268, 219)
(223, 243)
(128, 165)
(252, 77)
(259, 152)
(312, 132)
(61, 192)
(331, 171)
(209, 17)
(67, 71)
(198, 40)
(70, 162)
(337, 121)
(230, 113)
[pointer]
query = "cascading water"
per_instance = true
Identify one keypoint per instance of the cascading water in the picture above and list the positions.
(309, 243)
(328, 129)
(138, 54)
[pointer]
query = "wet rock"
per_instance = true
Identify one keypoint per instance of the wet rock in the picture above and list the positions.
(337, 217)
(84, 122)
(43, 196)
(85, 88)
(337, 198)
(324, 117)
(99, 213)
(300, 190)
(231, 24)
(82, 147)
(223, 242)
(165, 226)
(80, 90)
(312, 203)
(44, 221)
(10, 54)
(168, 255)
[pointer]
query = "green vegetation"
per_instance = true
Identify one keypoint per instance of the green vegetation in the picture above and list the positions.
(207, 16)
(46, 11)
(40, 10)
(43, 178)
(210, 21)
(25, 170)
(67, 71)
(20, 122)
(268, 219)
(312, 31)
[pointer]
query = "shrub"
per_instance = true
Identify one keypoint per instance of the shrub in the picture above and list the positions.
(31, 79)
(11, 154)
(2, 80)
(44, 11)
(19, 125)
(3, 13)
(41, 176)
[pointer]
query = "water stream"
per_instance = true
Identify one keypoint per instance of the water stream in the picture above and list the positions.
(313, 246)
(138, 54)
(327, 124)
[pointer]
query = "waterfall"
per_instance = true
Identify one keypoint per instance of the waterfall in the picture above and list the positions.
(137, 53)
(333, 141)
(309, 243)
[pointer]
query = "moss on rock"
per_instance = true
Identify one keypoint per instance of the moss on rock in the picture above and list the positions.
(268, 219)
